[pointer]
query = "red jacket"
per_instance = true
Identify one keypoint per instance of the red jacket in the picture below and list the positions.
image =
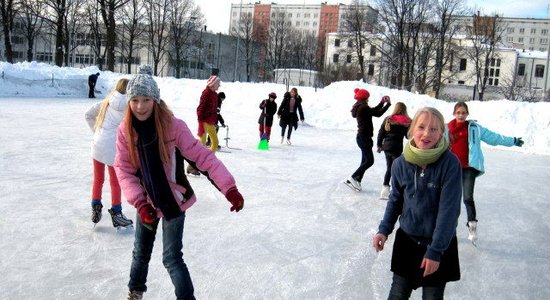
(458, 136)
(207, 111)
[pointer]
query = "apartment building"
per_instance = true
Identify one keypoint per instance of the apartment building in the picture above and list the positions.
(315, 19)
(518, 33)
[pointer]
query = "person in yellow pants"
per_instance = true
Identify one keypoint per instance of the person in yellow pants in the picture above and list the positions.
(207, 115)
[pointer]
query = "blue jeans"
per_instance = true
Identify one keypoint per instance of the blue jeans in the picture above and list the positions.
(468, 182)
(367, 158)
(401, 289)
(172, 256)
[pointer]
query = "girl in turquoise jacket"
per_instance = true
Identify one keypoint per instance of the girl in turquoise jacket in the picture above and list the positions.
(465, 138)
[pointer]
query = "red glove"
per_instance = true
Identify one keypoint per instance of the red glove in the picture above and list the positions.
(235, 198)
(147, 214)
(385, 99)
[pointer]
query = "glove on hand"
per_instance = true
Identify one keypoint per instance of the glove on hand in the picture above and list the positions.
(385, 99)
(235, 198)
(518, 142)
(147, 214)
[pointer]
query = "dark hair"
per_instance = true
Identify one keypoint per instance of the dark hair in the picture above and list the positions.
(221, 95)
(459, 105)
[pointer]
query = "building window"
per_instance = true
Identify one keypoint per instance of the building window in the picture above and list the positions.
(462, 64)
(297, 23)
(510, 39)
(539, 71)
(533, 30)
(337, 43)
(348, 59)
(335, 58)
(543, 41)
(542, 49)
(350, 43)
(520, 40)
(522, 30)
(372, 50)
(510, 30)
(370, 71)
(461, 82)
(531, 40)
(544, 31)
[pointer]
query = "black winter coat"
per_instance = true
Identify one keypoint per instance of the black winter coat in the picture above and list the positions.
(392, 141)
(364, 113)
(269, 108)
(287, 117)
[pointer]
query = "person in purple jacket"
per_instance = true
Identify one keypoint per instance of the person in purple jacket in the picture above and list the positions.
(147, 140)
(425, 197)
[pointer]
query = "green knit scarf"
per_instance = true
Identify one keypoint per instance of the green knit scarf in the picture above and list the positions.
(424, 157)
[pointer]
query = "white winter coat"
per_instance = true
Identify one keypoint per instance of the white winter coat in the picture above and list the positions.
(104, 143)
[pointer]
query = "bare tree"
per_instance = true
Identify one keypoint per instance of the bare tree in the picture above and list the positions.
(185, 19)
(8, 13)
(132, 30)
(485, 35)
(57, 12)
(446, 32)
(404, 21)
(73, 24)
(94, 34)
(31, 12)
(108, 9)
(244, 32)
(157, 14)
(358, 22)
(277, 41)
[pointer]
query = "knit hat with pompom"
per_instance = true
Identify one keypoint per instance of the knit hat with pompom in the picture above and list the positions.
(143, 85)
(361, 94)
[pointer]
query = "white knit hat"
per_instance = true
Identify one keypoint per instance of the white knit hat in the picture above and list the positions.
(143, 85)
(212, 80)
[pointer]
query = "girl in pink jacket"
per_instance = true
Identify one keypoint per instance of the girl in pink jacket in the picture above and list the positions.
(147, 141)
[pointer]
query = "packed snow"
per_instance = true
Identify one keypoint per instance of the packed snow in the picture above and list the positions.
(302, 234)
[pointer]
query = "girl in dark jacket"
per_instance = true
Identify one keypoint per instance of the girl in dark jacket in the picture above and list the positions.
(269, 108)
(364, 113)
(390, 140)
(288, 113)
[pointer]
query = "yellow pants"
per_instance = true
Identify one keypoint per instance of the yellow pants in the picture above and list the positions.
(210, 130)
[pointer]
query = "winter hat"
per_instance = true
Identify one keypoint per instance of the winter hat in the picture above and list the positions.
(145, 69)
(221, 95)
(273, 95)
(143, 85)
(361, 94)
(212, 80)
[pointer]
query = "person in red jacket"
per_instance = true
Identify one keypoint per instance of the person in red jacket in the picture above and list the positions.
(207, 115)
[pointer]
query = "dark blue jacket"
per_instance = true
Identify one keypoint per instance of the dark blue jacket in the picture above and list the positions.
(427, 202)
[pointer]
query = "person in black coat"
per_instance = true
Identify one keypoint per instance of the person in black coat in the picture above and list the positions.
(288, 113)
(269, 108)
(364, 113)
(390, 140)
(221, 121)
(92, 80)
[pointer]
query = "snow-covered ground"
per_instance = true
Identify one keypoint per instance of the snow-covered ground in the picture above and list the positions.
(301, 235)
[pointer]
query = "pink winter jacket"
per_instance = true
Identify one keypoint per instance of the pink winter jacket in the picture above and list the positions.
(181, 137)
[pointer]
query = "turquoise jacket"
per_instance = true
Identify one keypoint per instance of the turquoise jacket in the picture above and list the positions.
(477, 134)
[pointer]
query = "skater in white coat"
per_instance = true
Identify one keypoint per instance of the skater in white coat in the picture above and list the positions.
(103, 119)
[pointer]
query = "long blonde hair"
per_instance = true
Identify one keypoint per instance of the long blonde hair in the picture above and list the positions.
(163, 120)
(120, 87)
(400, 109)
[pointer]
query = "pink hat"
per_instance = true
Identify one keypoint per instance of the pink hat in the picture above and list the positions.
(361, 94)
(212, 80)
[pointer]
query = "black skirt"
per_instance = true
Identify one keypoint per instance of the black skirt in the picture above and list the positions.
(408, 254)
